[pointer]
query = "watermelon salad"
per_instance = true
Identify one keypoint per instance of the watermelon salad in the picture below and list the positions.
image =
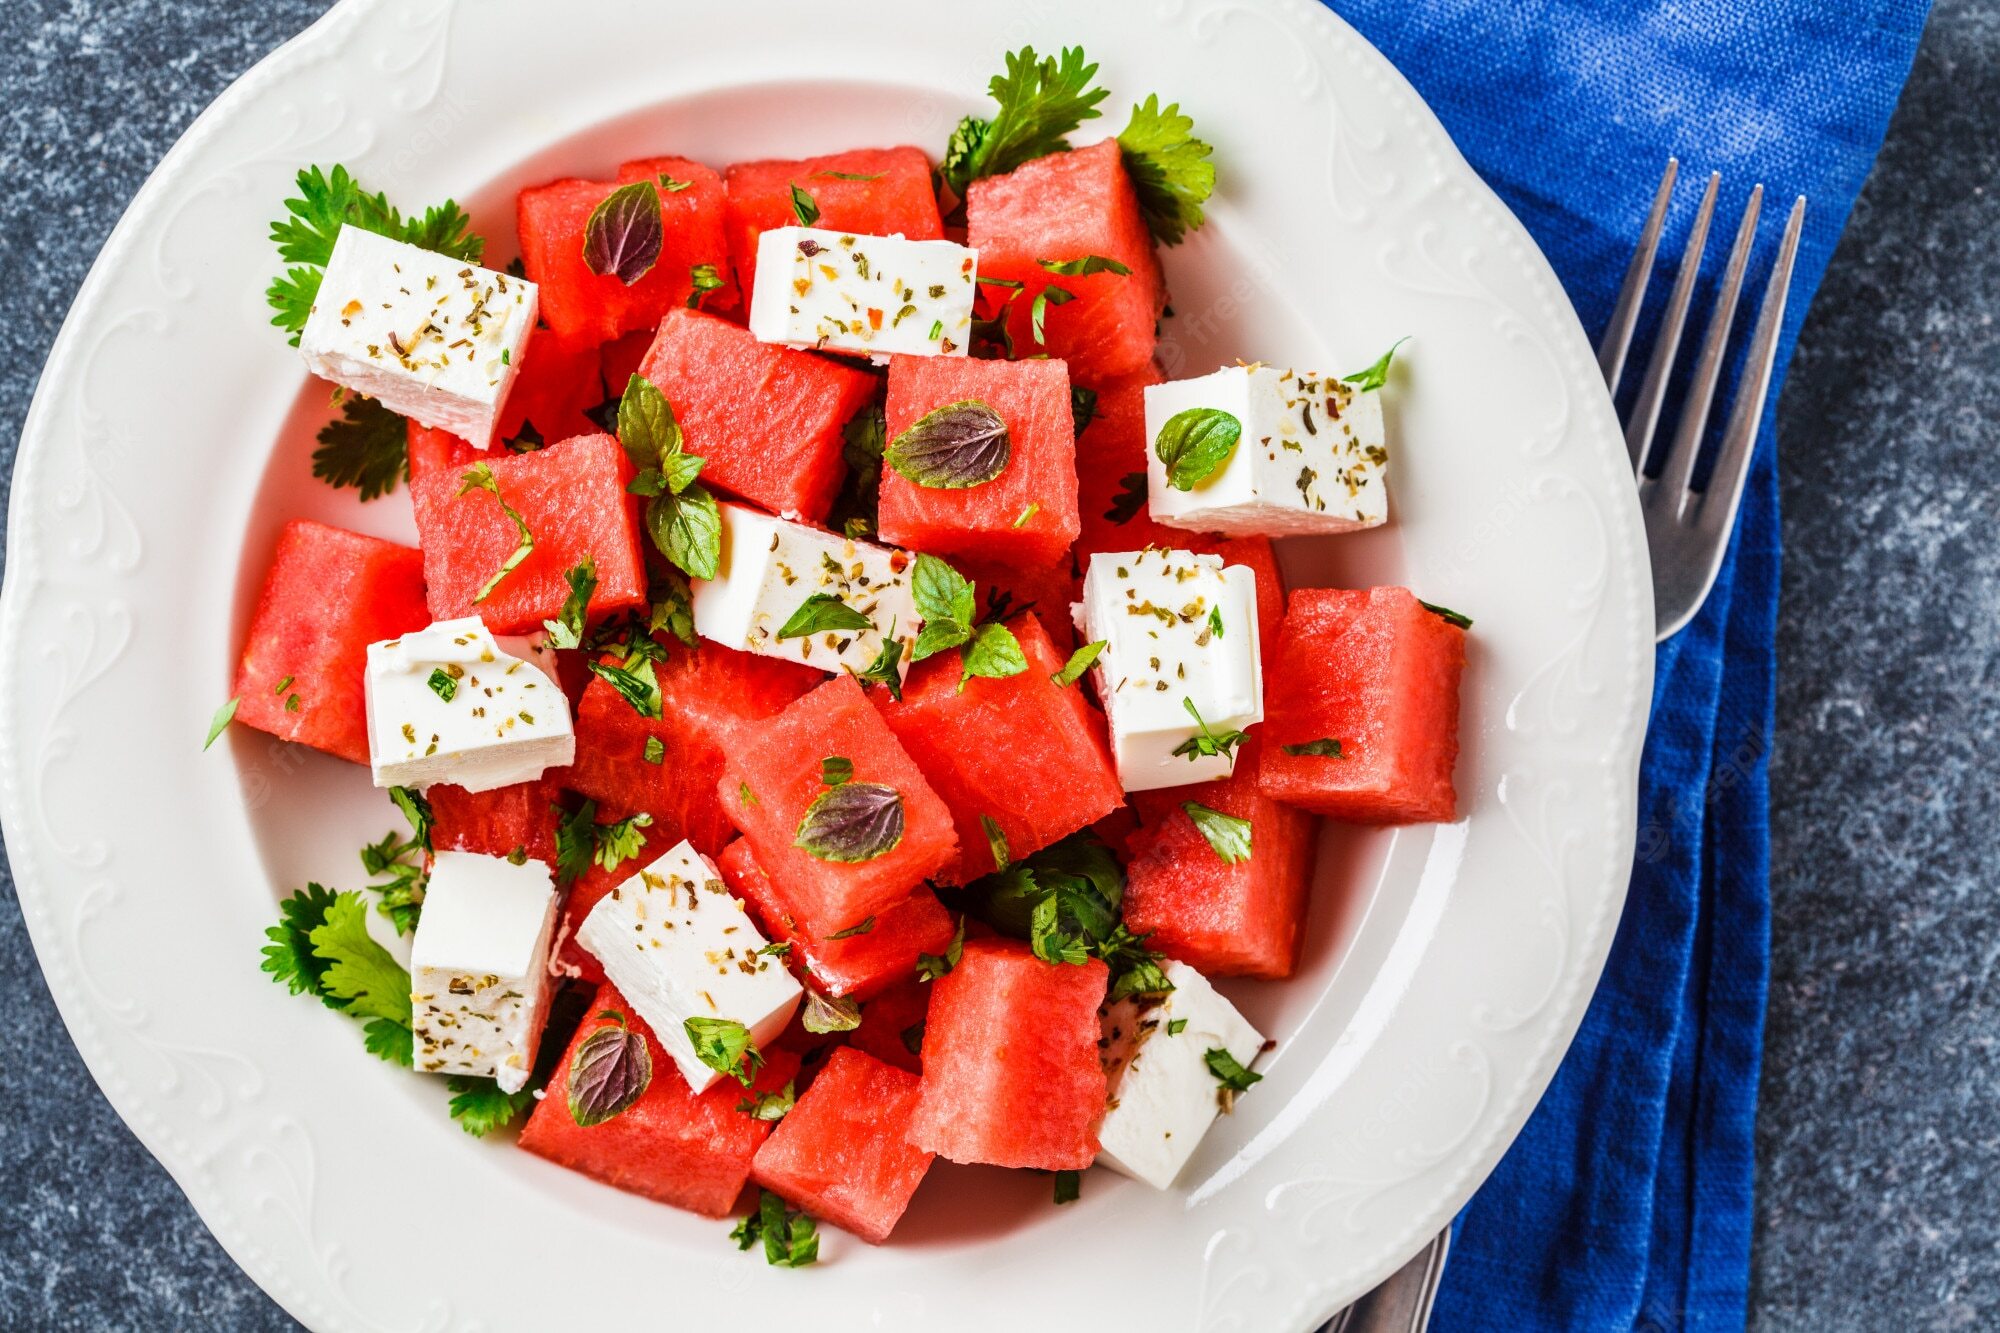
(842, 709)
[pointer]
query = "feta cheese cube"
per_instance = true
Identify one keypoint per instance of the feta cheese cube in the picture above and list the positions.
(1163, 1096)
(434, 338)
(1311, 458)
(678, 945)
(453, 703)
(1180, 639)
(771, 566)
(873, 294)
(479, 982)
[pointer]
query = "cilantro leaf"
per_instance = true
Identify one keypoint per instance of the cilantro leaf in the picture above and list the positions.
(1226, 834)
(389, 1040)
(1131, 498)
(368, 448)
(1041, 100)
(725, 1045)
(359, 972)
(1377, 375)
(289, 957)
(479, 1107)
(582, 842)
(1209, 744)
(1169, 168)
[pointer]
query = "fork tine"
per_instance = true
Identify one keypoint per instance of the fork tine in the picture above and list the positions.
(1653, 389)
(1617, 340)
(1677, 471)
(1732, 461)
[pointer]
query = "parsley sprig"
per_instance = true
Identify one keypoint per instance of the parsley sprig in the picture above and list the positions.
(582, 842)
(330, 200)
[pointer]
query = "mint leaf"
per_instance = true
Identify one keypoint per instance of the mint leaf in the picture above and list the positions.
(1229, 1071)
(835, 771)
(946, 600)
(803, 207)
(724, 1045)
(823, 613)
(994, 654)
(824, 1013)
(612, 1069)
(857, 821)
(954, 447)
(647, 428)
(624, 234)
(687, 529)
(770, 1105)
(1194, 443)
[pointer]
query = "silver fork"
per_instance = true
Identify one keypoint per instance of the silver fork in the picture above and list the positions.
(1687, 530)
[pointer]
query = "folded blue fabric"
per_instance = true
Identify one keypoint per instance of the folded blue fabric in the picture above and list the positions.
(1627, 1200)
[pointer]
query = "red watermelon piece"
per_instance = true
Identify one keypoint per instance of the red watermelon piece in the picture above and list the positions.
(1063, 207)
(1047, 589)
(773, 776)
(620, 360)
(1378, 672)
(521, 818)
(434, 450)
(1223, 920)
(329, 594)
(692, 1151)
(572, 497)
(1025, 516)
(859, 965)
(1022, 751)
(896, 198)
(704, 693)
(766, 419)
(593, 308)
(557, 382)
(893, 1022)
(701, 231)
(1011, 1074)
(842, 1153)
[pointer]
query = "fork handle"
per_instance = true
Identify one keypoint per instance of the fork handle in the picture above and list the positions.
(1402, 1304)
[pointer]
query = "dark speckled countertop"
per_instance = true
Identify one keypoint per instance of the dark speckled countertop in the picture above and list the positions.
(1878, 1143)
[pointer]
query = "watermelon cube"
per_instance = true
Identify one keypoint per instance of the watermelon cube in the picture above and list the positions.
(892, 1024)
(774, 777)
(1049, 590)
(1222, 919)
(571, 496)
(859, 965)
(1021, 751)
(619, 360)
(702, 224)
(868, 191)
(558, 381)
(1065, 207)
(1027, 515)
(704, 693)
(692, 1151)
(842, 1153)
(766, 419)
(1377, 671)
(593, 308)
(329, 594)
(1011, 1073)
(505, 821)
(434, 450)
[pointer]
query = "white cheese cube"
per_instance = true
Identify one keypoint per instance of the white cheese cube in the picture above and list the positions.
(1311, 458)
(678, 945)
(1163, 1095)
(873, 294)
(771, 566)
(434, 338)
(452, 703)
(1180, 639)
(479, 982)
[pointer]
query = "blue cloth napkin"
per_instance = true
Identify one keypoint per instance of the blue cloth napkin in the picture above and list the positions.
(1627, 1200)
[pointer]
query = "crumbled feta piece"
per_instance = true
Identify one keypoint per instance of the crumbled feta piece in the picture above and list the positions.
(678, 945)
(434, 338)
(1312, 456)
(1180, 638)
(1163, 1096)
(479, 981)
(770, 566)
(453, 703)
(874, 294)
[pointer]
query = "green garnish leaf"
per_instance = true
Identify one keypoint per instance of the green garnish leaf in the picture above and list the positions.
(1082, 407)
(1084, 266)
(566, 630)
(835, 771)
(959, 445)
(637, 684)
(672, 606)
(1038, 310)
(931, 966)
(946, 600)
(1079, 662)
(646, 425)
(848, 176)
(1131, 498)
(1041, 101)
(1326, 748)
(611, 1070)
(863, 441)
(1450, 616)
(867, 924)
(1021, 519)
(823, 613)
(725, 1045)
(994, 654)
(219, 722)
(656, 750)
(706, 278)
(624, 233)
(687, 529)
(770, 1105)
(913, 1037)
(803, 207)
(368, 448)
(791, 1239)
(996, 841)
(289, 958)
(1194, 443)
(1069, 1186)
(397, 866)
(857, 821)
(1208, 744)
(1229, 1071)
(479, 477)
(1176, 1026)
(1228, 835)
(885, 669)
(480, 1108)
(1053, 939)
(359, 973)
(1169, 168)
(679, 471)
(824, 1013)
(582, 842)
(443, 684)
(681, 516)
(331, 200)
(1376, 375)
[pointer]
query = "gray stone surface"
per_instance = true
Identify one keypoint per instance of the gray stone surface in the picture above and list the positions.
(1878, 1146)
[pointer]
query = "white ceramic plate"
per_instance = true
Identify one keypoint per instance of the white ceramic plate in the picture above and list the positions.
(1445, 967)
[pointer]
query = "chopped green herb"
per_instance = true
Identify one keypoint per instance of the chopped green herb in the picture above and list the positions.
(219, 723)
(1079, 662)
(770, 1105)
(1208, 744)
(1325, 748)
(824, 1013)
(1069, 1186)
(1176, 1026)
(1376, 375)
(791, 1239)
(1131, 498)
(931, 966)
(867, 924)
(725, 1045)
(656, 750)
(566, 630)
(1450, 616)
(706, 278)
(823, 613)
(1082, 407)
(1229, 1071)
(996, 840)
(1084, 266)
(443, 685)
(803, 207)
(1228, 835)
(479, 477)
